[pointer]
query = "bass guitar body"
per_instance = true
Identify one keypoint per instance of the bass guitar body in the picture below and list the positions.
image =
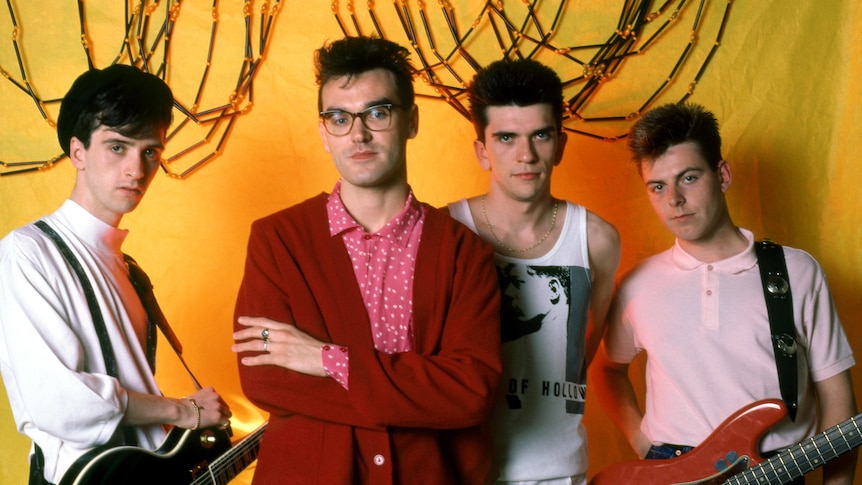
(729, 450)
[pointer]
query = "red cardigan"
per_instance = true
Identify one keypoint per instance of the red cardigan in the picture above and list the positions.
(415, 417)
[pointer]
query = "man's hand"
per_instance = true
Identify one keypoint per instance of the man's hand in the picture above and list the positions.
(202, 409)
(281, 344)
(211, 408)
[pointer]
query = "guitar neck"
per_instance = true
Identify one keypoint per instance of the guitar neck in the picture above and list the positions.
(806, 456)
(231, 463)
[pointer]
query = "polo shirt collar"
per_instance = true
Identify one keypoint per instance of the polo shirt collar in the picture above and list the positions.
(737, 263)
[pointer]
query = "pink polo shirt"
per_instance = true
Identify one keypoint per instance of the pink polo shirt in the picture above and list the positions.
(705, 328)
(383, 264)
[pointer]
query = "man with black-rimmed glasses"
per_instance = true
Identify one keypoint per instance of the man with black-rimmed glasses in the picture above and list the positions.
(386, 364)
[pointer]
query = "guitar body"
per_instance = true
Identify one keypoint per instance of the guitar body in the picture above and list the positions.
(184, 455)
(730, 449)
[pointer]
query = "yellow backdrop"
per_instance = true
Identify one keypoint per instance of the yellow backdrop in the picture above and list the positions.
(784, 83)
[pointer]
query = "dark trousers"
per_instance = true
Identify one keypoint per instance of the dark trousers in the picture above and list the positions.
(664, 452)
(37, 469)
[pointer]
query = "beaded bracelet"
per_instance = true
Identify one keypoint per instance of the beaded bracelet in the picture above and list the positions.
(197, 412)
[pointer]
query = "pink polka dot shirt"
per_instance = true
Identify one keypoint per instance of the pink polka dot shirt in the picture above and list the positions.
(383, 263)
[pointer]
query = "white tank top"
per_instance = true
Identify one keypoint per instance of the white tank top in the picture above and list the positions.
(537, 415)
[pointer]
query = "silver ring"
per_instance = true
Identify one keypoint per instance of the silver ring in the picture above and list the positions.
(264, 334)
(265, 343)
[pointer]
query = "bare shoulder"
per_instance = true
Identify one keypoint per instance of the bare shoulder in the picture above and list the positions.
(602, 237)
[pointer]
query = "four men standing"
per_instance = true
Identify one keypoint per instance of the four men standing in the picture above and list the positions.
(376, 332)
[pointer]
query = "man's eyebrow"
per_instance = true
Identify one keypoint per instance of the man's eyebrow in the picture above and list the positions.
(378, 102)
(545, 129)
(128, 142)
(370, 104)
(677, 175)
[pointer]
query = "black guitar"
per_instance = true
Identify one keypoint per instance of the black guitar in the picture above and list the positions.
(204, 456)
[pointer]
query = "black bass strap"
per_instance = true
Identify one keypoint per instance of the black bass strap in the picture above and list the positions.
(779, 307)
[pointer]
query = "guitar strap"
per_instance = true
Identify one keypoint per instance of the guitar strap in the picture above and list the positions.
(144, 288)
(779, 307)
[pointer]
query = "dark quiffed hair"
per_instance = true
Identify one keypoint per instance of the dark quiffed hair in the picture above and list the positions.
(120, 97)
(352, 56)
(672, 124)
(507, 82)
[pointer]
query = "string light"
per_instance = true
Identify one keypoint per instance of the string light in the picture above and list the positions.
(524, 30)
(447, 58)
(149, 28)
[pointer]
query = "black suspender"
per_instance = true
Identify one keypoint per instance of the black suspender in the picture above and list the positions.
(144, 289)
(155, 318)
(779, 307)
(98, 320)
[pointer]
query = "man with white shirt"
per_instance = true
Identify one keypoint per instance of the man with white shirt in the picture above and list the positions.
(78, 366)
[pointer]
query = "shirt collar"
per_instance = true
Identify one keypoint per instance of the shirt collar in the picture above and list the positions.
(91, 229)
(397, 230)
(735, 264)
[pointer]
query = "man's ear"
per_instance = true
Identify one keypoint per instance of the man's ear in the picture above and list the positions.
(322, 130)
(414, 121)
(562, 138)
(724, 175)
(77, 153)
(481, 154)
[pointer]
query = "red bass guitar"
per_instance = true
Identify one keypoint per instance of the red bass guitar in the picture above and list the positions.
(729, 455)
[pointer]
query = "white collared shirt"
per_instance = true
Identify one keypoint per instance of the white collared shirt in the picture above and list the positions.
(50, 357)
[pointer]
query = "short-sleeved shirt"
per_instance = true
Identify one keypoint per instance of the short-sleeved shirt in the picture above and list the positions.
(706, 332)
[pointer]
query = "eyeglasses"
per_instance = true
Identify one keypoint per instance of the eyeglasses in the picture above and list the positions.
(375, 118)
